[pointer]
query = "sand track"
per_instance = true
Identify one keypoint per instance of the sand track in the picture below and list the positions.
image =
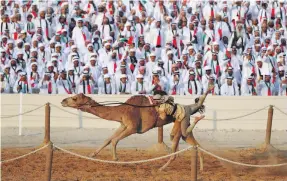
(69, 168)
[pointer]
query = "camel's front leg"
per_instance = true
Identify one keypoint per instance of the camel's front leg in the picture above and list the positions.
(128, 131)
(108, 141)
(175, 142)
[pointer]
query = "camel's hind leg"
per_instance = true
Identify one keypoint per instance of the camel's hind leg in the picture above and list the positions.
(127, 132)
(175, 142)
(108, 141)
(191, 140)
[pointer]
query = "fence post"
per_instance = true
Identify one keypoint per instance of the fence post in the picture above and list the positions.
(80, 119)
(49, 161)
(47, 124)
(269, 126)
(214, 120)
(194, 164)
(20, 113)
(160, 134)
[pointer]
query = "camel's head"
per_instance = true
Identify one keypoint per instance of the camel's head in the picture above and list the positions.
(76, 101)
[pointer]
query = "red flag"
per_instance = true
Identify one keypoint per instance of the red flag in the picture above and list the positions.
(190, 90)
(115, 67)
(220, 33)
(131, 40)
(50, 87)
(47, 32)
(212, 13)
(217, 70)
(274, 79)
(89, 7)
(110, 7)
(253, 70)
(33, 82)
(273, 13)
(15, 36)
(269, 91)
(84, 36)
(205, 63)
(174, 43)
(158, 40)
(89, 89)
(132, 67)
(234, 24)
(140, 6)
(174, 90)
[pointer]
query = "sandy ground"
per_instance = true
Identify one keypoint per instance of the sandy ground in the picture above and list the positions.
(70, 168)
(234, 145)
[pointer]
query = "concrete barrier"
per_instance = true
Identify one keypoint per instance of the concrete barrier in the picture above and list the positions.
(217, 108)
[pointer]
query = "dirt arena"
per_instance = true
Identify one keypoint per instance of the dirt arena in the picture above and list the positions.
(70, 168)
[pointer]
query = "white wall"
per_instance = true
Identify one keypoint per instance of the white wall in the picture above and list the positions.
(225, 107)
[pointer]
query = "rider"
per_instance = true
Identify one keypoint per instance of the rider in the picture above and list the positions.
(179, 112)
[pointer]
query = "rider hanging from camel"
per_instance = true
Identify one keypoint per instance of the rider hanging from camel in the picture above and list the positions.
(180, 113)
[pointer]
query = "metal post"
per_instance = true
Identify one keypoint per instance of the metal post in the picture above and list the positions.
(47, 124)
(269, 125)
(160, 134)
(20, 114)
(214, 120)
(194, 164)
(80, 119)
(49, 161)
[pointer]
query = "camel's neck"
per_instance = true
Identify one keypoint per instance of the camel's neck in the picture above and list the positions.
(113, 113)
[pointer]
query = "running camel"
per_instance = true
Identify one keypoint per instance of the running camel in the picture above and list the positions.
(136, 115)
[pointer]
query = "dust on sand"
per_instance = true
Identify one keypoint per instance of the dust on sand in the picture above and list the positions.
(69, 168)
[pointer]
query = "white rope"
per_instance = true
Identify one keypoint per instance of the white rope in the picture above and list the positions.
(122, 162)
(71, 112)
(241, 164)
(242, 116)
(15, 115)
(280, 110)
(19, 157)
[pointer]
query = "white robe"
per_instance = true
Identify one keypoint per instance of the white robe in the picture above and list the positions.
(137, 87)
(107, 88)
(43, 85)
(78, 37)
(84, 86)
(64, 86)
(195, 86)
(263, 88)
(227, 90)
(123, 88)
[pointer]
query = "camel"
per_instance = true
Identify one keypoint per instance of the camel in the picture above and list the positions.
(133, 119)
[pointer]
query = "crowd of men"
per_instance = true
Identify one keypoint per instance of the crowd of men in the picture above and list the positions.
(137, 47)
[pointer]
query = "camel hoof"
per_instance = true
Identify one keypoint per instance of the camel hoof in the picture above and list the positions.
(115, 159)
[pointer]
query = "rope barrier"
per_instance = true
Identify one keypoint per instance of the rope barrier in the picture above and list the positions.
(280, 110)
(241, 164)
(70, 112)
(11, 116)
(242, 116)
(19, 157)
(122, 162)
